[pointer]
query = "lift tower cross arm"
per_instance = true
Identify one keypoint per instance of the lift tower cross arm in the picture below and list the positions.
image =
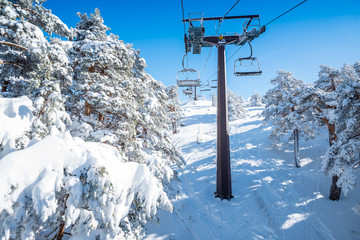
(219, 18)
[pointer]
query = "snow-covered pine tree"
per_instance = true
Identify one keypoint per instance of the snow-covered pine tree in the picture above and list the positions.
(118, 102)
(126, 108)
(174, 107)
(235, 106)
(320, 102)
(342, 158)
(282, 110)
(255, 100)
(27, 61)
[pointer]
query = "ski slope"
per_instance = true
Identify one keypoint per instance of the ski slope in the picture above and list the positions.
(272, 198)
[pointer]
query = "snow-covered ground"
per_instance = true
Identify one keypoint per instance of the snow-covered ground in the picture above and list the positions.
(273, 199)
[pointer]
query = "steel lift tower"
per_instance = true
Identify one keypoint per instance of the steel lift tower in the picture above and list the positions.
(194, 42)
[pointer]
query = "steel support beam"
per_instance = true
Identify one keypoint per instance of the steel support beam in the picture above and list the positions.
(220, 18)
(223, 168)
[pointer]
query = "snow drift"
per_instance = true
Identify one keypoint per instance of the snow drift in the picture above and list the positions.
(85, 186)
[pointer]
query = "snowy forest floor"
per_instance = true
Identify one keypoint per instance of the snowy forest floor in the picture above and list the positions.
(272, 198)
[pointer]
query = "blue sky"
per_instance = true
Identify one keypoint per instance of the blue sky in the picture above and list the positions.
(317, 32)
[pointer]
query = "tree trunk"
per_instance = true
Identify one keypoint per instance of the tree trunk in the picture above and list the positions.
(174, 127)
(5, 86)
(335, 191)
(87, 109)
(101, 117)
(332, 135)
(60, 233)
(296, 148)
(331, 129)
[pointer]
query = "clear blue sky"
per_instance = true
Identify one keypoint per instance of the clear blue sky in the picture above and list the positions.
(318, 32)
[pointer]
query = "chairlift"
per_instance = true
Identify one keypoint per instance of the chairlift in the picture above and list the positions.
(248, 66)
(188, 91)
(188, 77)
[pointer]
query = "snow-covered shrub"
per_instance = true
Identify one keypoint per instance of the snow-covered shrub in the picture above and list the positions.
(86, 189)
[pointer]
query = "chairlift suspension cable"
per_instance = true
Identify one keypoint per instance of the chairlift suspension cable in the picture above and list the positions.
(264, 25)
(183, 15)
(217, 30)
(231, 8)
(226, 61)
(285, 13)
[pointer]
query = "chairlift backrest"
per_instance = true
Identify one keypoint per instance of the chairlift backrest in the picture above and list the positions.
(188, 78)
(249, 66)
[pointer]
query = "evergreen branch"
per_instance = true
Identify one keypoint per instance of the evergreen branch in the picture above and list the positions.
(27, 9)
(13, 45)
(11, 62)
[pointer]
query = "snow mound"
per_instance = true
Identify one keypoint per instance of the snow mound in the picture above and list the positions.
(86, 186)
(16, 118)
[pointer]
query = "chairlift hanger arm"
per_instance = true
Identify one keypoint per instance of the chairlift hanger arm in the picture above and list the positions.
(219, 18)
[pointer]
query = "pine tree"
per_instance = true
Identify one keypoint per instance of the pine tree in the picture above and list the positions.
(320, 102)
(118, 102)
(283, 111)
(255, 100)
(235, 106)
(29, 63)
(342, 157)
(174, 107)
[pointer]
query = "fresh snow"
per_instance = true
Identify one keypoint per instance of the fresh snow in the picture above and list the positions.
(15, 118)
(272, 198)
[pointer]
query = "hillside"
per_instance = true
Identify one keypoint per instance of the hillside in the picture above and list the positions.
(272, 198)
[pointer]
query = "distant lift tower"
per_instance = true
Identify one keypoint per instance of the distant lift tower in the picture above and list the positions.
(194, 42)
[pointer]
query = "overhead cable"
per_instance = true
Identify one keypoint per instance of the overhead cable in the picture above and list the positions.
(285, 13)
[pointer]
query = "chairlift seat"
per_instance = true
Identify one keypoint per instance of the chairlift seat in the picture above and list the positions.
(189, 81)
(239, 74)
(205, 89)
(188, 91)
(251, 62)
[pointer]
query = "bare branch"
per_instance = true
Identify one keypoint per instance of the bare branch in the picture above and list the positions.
(11, 62)
(13, 45)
